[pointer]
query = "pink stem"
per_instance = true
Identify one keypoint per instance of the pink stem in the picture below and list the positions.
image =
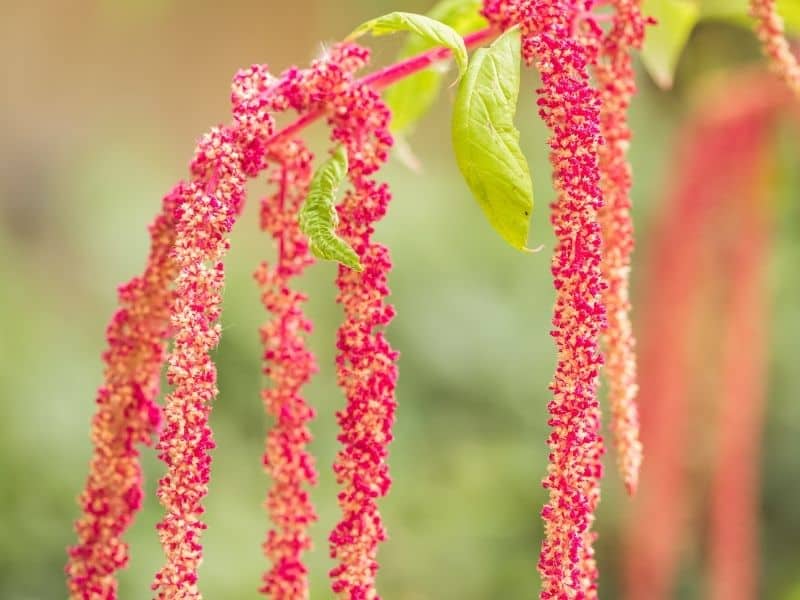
(390, 75)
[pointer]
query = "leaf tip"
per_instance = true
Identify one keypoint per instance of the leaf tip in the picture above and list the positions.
(405, 154)
(663, 78)
(535, 250)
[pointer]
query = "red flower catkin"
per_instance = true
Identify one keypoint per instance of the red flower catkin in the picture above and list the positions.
(570, 108)
(720, 145)
(773, 39)
(617, 85)
(733, 536)
(127, 415)
(289, 365)
(204, 216)
(366, 362)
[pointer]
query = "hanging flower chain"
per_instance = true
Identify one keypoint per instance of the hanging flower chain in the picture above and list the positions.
(570, 108)
(127, 416)
(617, 85)
(179, 295)
(289, 365)
(771, 33)
(205, 215)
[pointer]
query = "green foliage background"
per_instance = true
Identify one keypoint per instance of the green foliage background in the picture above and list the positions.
(104, 101)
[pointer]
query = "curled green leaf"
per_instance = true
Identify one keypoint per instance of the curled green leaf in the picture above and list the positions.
(410, 98)
(430, 29)
(486, 142)
(318, 218)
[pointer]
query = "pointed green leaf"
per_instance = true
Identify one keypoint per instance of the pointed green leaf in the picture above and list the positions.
(666, 40)
(432, 30)
(486, 142)
(318, 217)
(412, 97)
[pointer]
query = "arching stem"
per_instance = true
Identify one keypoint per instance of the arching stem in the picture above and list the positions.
(390, 75)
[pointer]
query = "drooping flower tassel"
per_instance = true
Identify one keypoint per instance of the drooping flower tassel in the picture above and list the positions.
(256, 96)
(366, 362)
(570, 108)
(203, 218)
(127, 415)
(734, 499)
(367, 374)
(289, 364)
(720, 145)
(617, 85)
(366, 366)
(773, 39)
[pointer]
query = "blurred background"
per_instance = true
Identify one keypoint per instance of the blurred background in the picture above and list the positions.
(102, 103)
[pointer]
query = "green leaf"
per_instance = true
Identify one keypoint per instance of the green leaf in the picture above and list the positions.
(486, 142)
(666, 40)
(430, 29)
(318, 218)
(412, 97)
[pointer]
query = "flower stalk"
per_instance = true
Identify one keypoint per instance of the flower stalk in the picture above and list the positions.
(388, 76)
(770, 30)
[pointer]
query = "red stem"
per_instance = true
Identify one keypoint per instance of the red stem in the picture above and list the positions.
(390, 75)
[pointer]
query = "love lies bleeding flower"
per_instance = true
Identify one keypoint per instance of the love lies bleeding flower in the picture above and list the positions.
(127, 416)
(366, 362)
(734, 494)
(289, 364)
(770, 31)
(571, 108)
(368, 375)
(616, 83)
(716, 191)
(203, 217)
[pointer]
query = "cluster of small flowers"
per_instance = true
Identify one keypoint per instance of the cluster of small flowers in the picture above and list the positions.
(570, 107)
(616, 83)
(366, 363)
(735, 488)
(771, 33)
(127, 415)
(289, 364)
(206, 213)
(715, 198)
(189, 243)
(257, 96)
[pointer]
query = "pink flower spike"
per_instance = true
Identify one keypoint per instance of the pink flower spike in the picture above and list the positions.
(617, 84)
(289, 364)
(570, 107)
(366, 362)
(127, 415)
(773, 39)
(205, 215)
